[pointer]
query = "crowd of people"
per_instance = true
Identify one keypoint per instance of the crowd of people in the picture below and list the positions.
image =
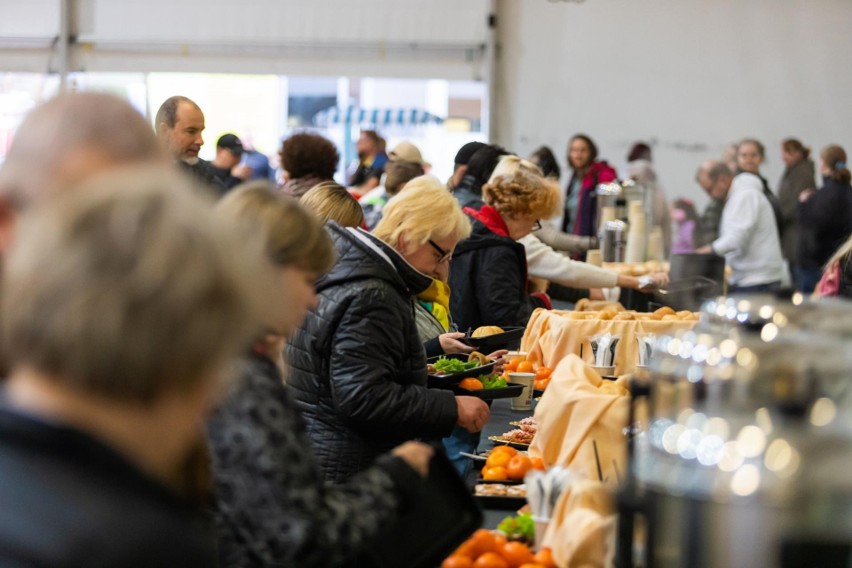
(204, 367)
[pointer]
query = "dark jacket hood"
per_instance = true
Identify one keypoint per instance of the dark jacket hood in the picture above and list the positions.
(357, 260)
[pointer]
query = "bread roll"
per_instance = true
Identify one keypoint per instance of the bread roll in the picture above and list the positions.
(486, 330)
(626, 316)
(665, 311)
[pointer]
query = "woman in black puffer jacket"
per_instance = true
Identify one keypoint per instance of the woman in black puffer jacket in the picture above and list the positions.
(358, 365)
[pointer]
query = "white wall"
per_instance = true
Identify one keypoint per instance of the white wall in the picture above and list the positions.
(689, 75)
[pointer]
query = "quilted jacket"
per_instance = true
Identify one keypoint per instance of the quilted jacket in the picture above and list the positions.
(488, 277)
(358, 368)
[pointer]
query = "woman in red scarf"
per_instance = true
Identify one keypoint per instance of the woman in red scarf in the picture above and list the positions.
(488, 273)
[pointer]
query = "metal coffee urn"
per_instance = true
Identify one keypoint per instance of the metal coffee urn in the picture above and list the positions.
(746, 459)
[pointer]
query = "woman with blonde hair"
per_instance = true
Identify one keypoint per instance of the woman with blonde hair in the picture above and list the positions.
(489, 271)
(272, 507)
(358, 369)
(330, 201)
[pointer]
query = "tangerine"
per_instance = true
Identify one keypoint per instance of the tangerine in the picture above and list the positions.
(532, 565)
(518, 467)
(495, 474)
(545, 558)
(498, 459)
(525, 367)
(512, 365)
(485, 541)
(457, 561)
(537, 463)
(471, 384)
(516, 553)
(490, 560)
(507, 449)
(543, 373)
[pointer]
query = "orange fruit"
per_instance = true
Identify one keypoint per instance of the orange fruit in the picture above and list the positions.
(498, 459)
(518, 467)
(499, 541)
(507, 449)
(532, 565)
(457, 561)
(525, 367)
(471, 384)
(485, 541)
(495, 474)
(512, 365)
(545, 558)
(543, 373)
(516, 553)
(490, 560)
(537, 463)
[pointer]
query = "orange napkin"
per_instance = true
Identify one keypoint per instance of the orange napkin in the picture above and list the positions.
(579, 411)
(582, 530)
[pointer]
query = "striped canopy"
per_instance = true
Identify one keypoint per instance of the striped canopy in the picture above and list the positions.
(374, 117)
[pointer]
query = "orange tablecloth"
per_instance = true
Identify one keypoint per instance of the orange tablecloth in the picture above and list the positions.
(552, 335)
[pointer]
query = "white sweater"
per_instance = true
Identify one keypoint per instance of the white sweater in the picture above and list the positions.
(544, 262)
(748, 235)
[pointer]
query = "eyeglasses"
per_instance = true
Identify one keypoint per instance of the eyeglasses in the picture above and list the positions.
(537, 226)
(445, 256)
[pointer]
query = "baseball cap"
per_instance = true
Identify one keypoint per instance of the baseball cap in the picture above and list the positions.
(466, 151)
(408, 152)
(232, 143)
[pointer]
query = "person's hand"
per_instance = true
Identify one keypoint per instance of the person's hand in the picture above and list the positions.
(596, 294)
(416, 454)
(242, 171)
(806, 194)
(498, 359)
(661, 279)
(706, 249)
(473, 413)
(450, 343)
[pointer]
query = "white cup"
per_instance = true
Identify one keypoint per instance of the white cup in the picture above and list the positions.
(524, 400)
(604, 371)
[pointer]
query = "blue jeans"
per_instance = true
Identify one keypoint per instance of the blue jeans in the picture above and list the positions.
(461, 441)
(807, 278)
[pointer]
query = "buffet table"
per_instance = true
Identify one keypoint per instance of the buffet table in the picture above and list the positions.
(552, 335)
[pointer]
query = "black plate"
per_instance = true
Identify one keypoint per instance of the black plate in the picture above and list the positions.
(501, 503)
(504, 482)
(511, 391)
(509, 339)
(516, 445)
(447, 381)
(538, 393)
(441, 517)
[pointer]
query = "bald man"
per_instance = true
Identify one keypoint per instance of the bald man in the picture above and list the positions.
(65, 141)
(180, 124)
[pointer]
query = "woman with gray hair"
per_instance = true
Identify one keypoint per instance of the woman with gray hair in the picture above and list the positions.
(124, 302)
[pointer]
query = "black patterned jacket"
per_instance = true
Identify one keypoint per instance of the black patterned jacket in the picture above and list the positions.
(272, 507)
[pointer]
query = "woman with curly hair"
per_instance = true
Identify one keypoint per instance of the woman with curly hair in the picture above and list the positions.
(488, 273)
(308, 159)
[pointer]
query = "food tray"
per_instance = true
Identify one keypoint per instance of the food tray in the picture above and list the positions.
(447, 381)
(510, 391)
(501, 503)
(509, 339)
(501, 441)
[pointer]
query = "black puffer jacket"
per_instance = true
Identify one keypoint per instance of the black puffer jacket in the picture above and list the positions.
(358, 369)
(488, 277)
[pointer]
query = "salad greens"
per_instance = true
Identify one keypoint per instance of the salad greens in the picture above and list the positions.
(521, 527)
(493, 381)
(447, 366)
